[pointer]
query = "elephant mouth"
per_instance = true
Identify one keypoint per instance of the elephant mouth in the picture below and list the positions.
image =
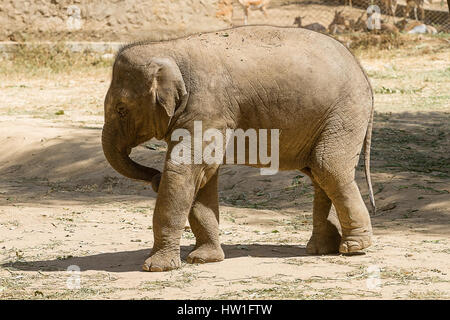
(119, 158)
(138, 141)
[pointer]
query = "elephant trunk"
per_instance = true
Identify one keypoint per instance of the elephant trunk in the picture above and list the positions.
(118, 157)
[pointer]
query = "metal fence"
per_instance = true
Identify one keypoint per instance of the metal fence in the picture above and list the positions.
(352, 15)
(129, 20)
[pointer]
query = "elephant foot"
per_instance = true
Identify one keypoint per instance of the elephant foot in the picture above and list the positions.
(160, 261)
(327, 243)
(354, 243)
(206, 253)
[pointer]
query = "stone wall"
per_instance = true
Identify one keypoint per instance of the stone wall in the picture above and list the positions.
(129, 20)
(105, 20)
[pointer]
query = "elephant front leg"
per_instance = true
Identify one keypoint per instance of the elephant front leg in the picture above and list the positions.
(204, 221)
(175, 196)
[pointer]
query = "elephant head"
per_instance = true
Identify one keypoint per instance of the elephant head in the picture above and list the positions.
(142, 98)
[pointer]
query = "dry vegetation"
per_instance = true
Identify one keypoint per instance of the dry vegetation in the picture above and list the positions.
(61, 204)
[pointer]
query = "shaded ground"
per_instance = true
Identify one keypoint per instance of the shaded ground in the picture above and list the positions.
(61, 204)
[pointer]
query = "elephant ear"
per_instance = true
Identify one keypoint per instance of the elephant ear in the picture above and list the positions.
(167, 86)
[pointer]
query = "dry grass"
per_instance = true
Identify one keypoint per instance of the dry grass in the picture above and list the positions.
(41, 59)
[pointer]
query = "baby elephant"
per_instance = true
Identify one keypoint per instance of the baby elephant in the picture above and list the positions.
(302, 83)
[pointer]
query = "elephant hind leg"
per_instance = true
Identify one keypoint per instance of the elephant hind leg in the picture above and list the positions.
(354, 218)
(325, 238)
(204, 222)
(333, 163)
(351, 211)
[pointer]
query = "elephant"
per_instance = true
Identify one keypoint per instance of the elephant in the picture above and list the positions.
(304, 83)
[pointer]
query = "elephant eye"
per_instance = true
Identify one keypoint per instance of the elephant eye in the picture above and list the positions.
(121, 110)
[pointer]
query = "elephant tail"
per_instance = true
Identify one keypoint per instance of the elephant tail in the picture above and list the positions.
(367, 144)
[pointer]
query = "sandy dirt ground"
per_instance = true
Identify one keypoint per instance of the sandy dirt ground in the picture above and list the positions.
(62, 205)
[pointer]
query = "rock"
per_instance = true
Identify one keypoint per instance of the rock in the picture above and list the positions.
(423, 28)
(108, 56)
(418, 29)
(388, 207)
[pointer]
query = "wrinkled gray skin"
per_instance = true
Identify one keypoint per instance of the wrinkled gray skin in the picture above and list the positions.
(304, 83)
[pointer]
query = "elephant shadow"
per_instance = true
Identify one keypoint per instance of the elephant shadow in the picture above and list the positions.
(128, 261)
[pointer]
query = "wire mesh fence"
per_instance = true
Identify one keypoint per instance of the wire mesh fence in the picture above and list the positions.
(351, 14)
(120, 20)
